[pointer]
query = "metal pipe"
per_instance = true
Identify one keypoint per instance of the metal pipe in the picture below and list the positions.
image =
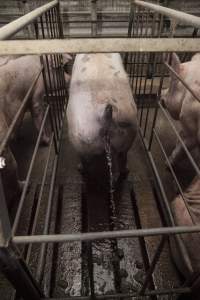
(92, 45)
(20, 206)
(39, 201)
(41, 262)
(153, 265)
(5, 227)
(91, 236)
(177, 15)
(10, 29)
(18, 114)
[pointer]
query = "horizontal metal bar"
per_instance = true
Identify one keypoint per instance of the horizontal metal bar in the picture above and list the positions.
(53, 238)
(171, 291)
(18, 114)
(10, 29)
(172, 13)
(95, 45)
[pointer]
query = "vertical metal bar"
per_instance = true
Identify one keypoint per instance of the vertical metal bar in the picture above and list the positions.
(156, 110)
(93, 17)
(48, 85)
(61, 35)
(146, 35)
(142, 55)
(135, 54)
(90, 269)
(51, 78)
(130, 28)
(142, 59)
(5, 227)
(138, 54)
(58, 61)
(53, 63)
(132, 55)
(153, 265)
(39, 201)
(58, 89)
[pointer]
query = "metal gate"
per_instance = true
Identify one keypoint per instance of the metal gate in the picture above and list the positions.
(152, 30)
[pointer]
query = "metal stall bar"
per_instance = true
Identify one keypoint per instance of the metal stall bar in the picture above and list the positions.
(41, 263)
(18, 214)
(193, 163)
(12, 28)
(60, 238)
(99, 45)
(18, 114)
(172, 13)
(11, 265)
(5, 227)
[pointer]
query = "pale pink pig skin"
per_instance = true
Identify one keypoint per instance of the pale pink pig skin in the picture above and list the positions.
(100, 103)
(182, 105)
(16, 76)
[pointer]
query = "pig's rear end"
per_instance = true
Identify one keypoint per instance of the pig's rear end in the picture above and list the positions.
(101, 106)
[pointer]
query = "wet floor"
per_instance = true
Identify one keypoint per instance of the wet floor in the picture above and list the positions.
(103, 267)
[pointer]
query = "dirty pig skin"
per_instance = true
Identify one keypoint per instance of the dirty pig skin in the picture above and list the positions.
(101, 103)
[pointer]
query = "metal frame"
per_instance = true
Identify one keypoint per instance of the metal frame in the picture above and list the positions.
(99, 45)
(47, 25)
